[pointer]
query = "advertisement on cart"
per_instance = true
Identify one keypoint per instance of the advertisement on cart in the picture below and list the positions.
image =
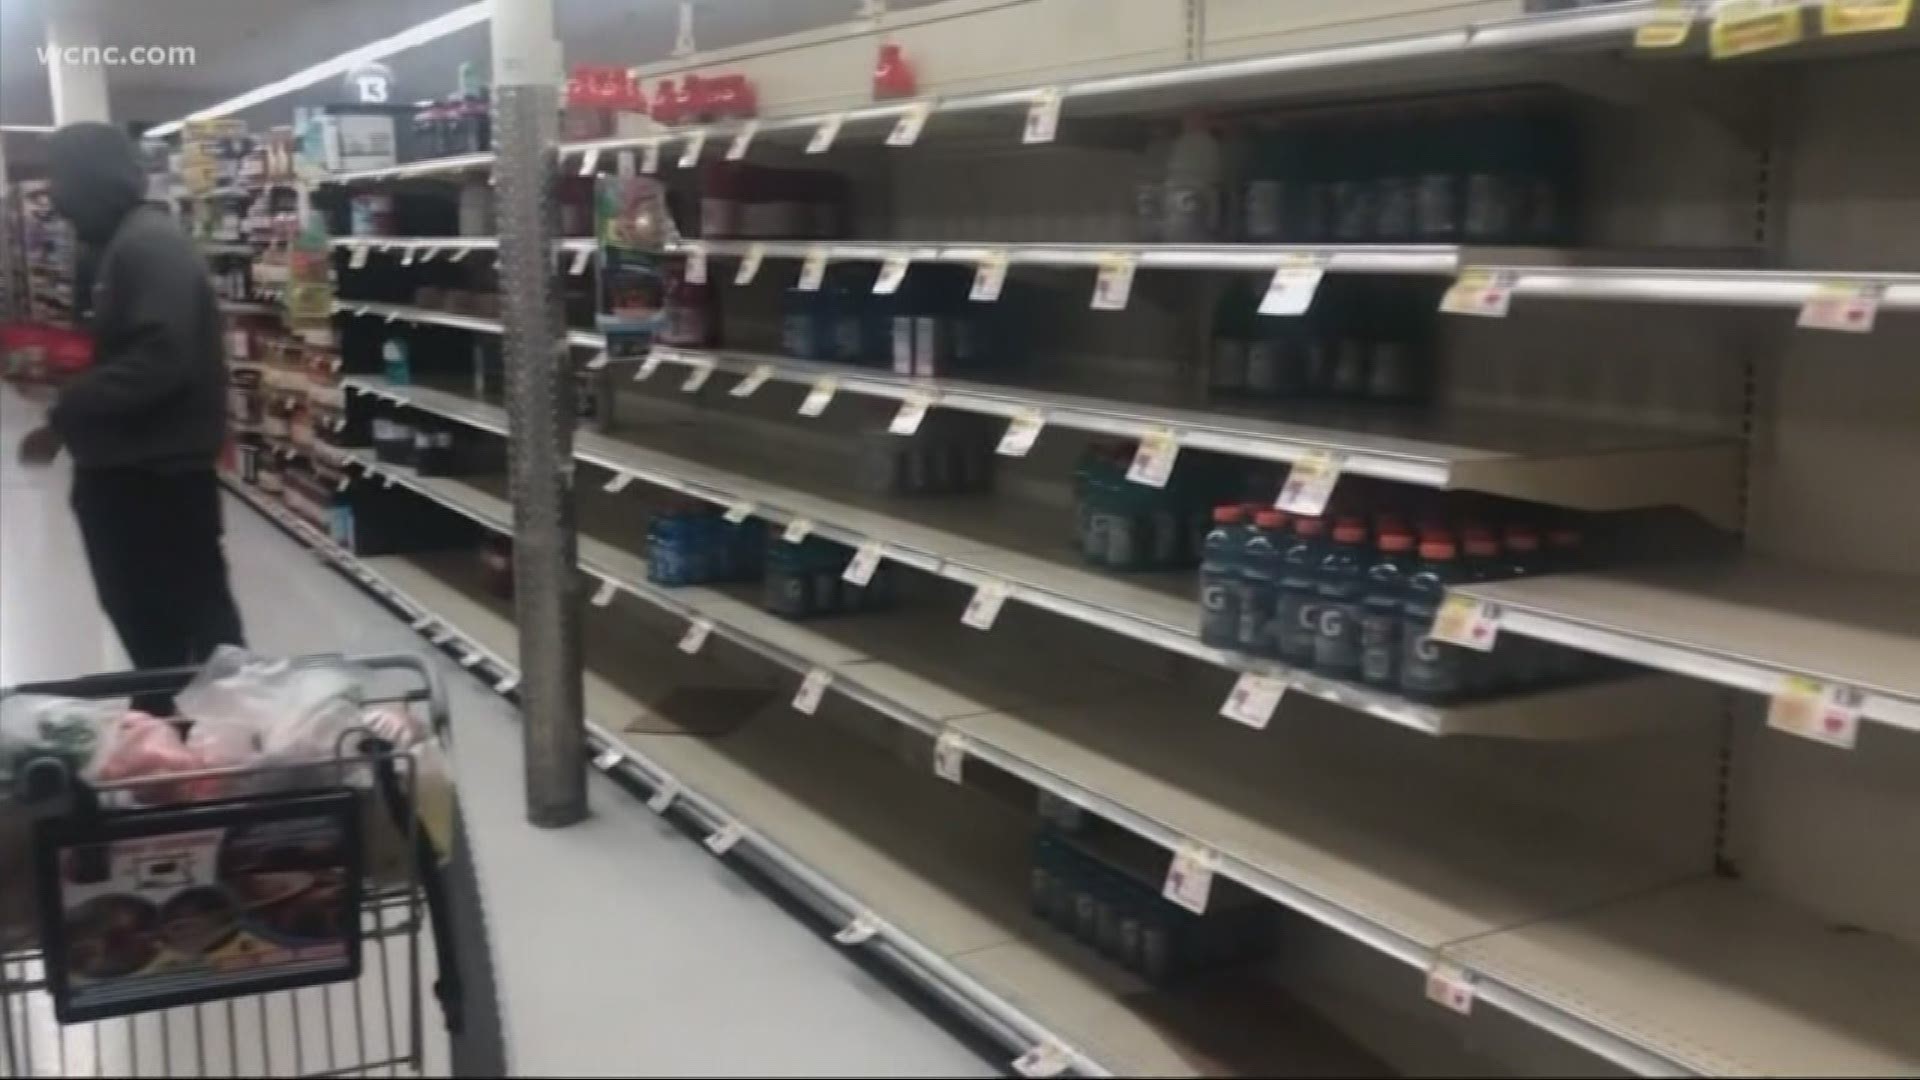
(150, 909)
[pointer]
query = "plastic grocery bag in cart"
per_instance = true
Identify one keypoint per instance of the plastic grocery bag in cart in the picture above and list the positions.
(257, 733)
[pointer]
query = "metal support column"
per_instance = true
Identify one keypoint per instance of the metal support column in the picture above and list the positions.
(540, 411)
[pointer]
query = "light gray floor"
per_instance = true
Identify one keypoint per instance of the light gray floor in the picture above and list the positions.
(621, 946)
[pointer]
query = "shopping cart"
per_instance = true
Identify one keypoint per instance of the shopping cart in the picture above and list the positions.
(363, 1023)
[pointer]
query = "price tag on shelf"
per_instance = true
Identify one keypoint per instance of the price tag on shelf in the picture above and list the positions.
(1485, 293)
(691, 150)
(646, 369)
(470, 660)
(906, 130)
(1043, 1062)
(1310, 483)
(812, 689)
(814, 270)
(357, 257)
(696, 636)
(950, 757)
(422, 623)
(345, 483)
(823, 136)
(740, 511)
(1114, 284)
(600, 360)
(428, 254)
(623, 163)
(1811, 709)
(1846, 306)
(619, 483)
(753, 381)
(913, 411)
(724, 840)
(1021, 433)
(1744, 27)
(608, 758)
(393, 316)
(742, 140)
(1451, 986)
(1043, 117)
(663, 797)
(605, 595)
(860, 568)
(406, 255)
(859, 931)
(458, 254)
(820, 396)
(1153, 461)
(507, 684)
(750, 264)
(697, 375)
(1190, 878)
(440, 636)
(650, 157)
(580, 260)
(697, 265)
(796, 531)
(1254, 699)
(1468, 623)
(984, 609)
(386, 479)
(1839, 17)
(989, 277)
(1292, 288)
(590, 162)
(892, 272)
(1671, 24)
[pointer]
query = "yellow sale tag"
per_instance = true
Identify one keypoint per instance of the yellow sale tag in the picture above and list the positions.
(1153, 461)
(1486, 293)
(1669, 28)
(1864, 16)
(1814, 710)
(1467, 622)
(1849, 307)
(1744, 27)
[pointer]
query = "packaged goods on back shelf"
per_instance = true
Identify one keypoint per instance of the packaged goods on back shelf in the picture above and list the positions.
(808, 579)
(455, 125)
(691, 543)
(951, 454)
(1363, 340)
(927, 328)
(1086, 888)
(1473, 172)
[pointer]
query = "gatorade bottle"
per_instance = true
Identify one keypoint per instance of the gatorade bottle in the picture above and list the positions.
(1338, 592)
(1220, 578)
(1264, 214)
(1295, 625)
(1195, 169)
(1381, 610)
(1430, 671)
(1260, 581)
(1485, 673)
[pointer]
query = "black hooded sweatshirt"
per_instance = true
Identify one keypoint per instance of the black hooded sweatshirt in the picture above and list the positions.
(155, 397)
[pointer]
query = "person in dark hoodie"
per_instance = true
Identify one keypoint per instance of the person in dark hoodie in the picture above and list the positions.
(146, 422)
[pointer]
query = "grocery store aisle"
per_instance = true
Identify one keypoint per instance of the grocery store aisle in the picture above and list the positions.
(620, 946)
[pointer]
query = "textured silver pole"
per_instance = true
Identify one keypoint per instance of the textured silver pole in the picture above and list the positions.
(540, 416)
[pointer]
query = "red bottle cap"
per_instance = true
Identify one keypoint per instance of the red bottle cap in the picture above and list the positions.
(1270, 519)
(1438, 550)
(1228, 515)
(1350, 531)
(1309, 526)
(1396, 542)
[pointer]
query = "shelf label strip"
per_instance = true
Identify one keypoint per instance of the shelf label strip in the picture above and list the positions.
(1253, 700)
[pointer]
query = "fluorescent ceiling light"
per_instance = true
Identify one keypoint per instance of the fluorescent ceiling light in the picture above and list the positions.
(433, 29)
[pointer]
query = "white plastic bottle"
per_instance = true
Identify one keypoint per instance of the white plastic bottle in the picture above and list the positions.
(1195, 172)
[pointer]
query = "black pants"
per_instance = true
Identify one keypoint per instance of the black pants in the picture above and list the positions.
(154, 544)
